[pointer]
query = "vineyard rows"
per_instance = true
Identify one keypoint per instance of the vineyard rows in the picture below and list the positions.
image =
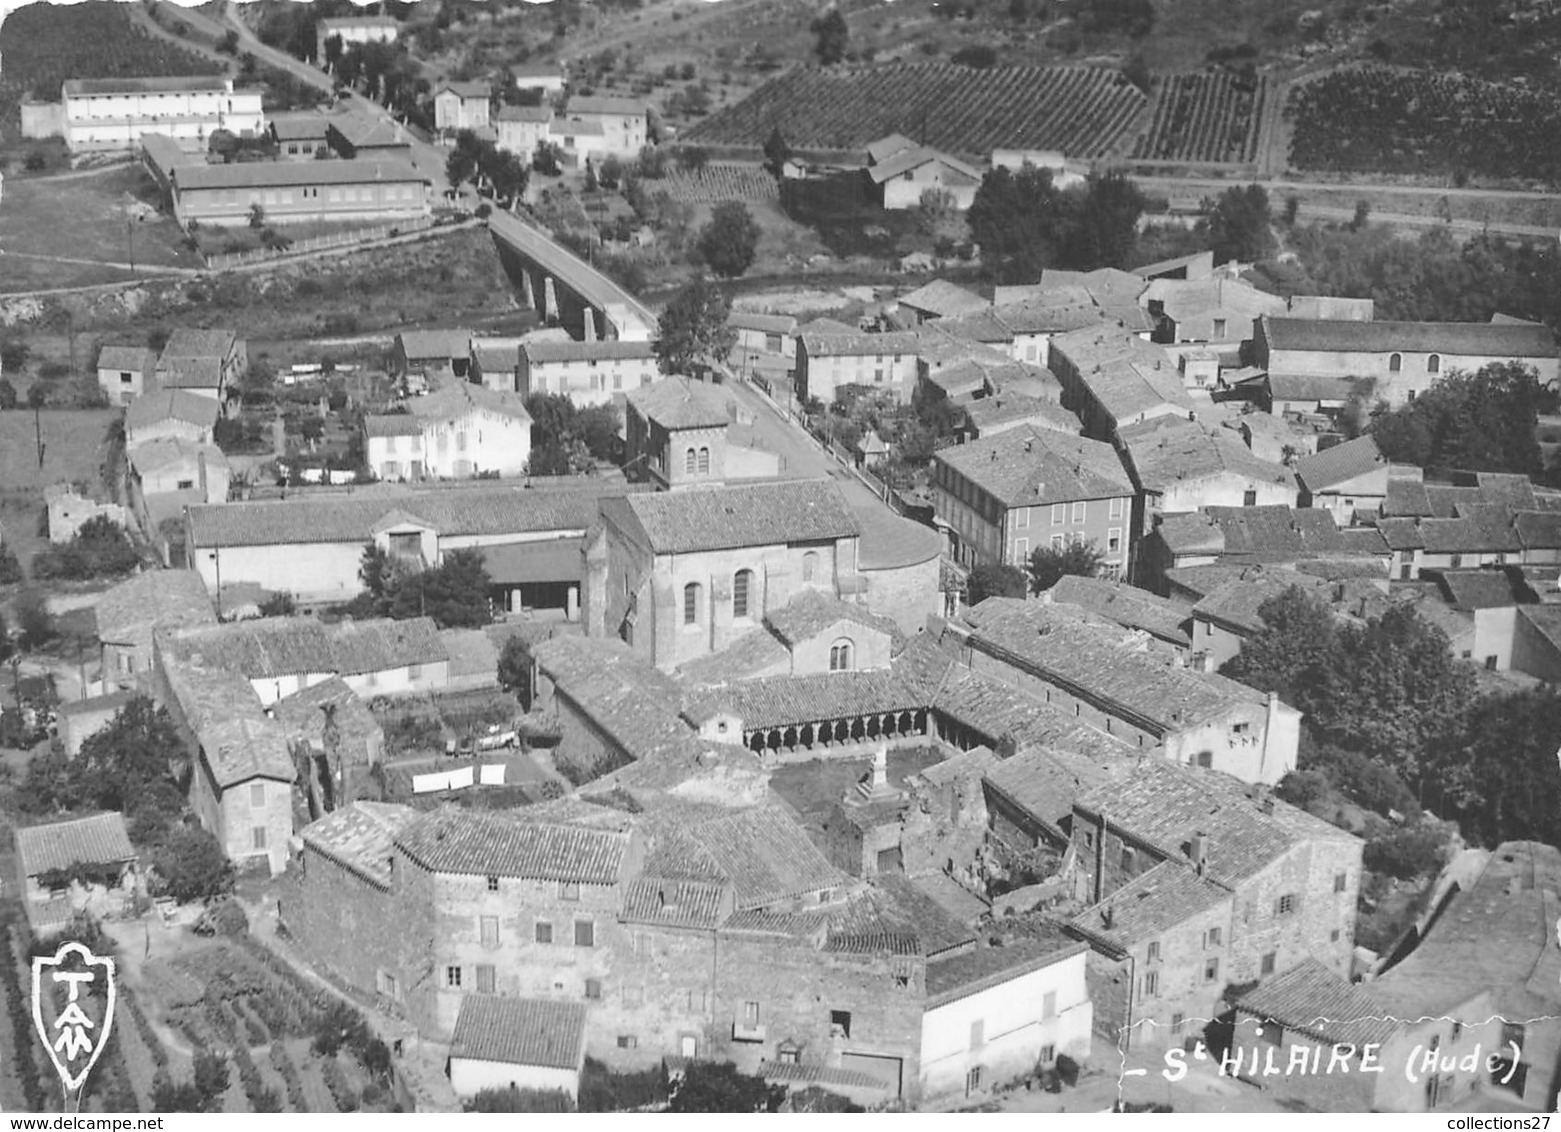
(716, 183)
(1082, 112)
(1210, 116)
(1379, 119)
(42, 45)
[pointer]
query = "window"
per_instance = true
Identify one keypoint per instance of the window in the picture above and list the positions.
(750, 1014)
(485, 978)
(1021, 551)
(186, 485)
(742, 585)
(1206, 759)
(704, 461)
(978, 1033)
(489, 927)
(388, 986)
(1411, 394)
(1211, 970)
(493, 884)
(257, 836)
(1114, 540)
(1266, 966)
(809, 565)
(840, 1023)
(690, 461)
(257, 795)
(1022, 518)
(1151, 985)
(1116, 508)
(1219, 328)
(973, 1080)
(1333, 936)
(1433, 364)
(1056, 544)
(1395, 363)
(1457, 561)
(877, 377)
(544, 932)
(593, 988)
(1340, 881)
(1457, 1031)
(452, 978)
(628, 1041)
(840, 656)
(1129, 858)
(1211, 938)
(1285, 905)
(585, 933)
(1049, 1006)
(1089, 840)
(1079, 509)
(1059, 513)
(691, 604)
(1154, 952)
(1178, 1024)
(568, 890)
(1249, 497)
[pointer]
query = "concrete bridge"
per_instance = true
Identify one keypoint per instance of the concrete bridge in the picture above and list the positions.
(564, 289)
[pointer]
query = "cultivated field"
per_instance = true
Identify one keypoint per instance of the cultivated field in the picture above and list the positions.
(719, 182)
(76, 229)
(41, 45)
(1384, 120)
(1083, 112)
(1206, 117)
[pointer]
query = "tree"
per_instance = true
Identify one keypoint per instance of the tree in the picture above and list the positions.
(280, 604)
(124, 766)
(454, 593)
(34, 622)
(515, 668)
(1479, 422)
(693, 328)
(37, 395)
(729, 241)
(211, 1077)
(228, 44)
(995, 580)
(1239, 225)
(7, 395)
(1500, 781)
(14, 353)
(1362, 215)
(1018, 219)
(519, 1100)
(1296, 651)
(1048, 566)
(169, 1097)
(832, 35)
(461, 165)
(1103, 231)
(720, 1087)
(776, 152)
(257, 216)
(545, 159)
(190, 865)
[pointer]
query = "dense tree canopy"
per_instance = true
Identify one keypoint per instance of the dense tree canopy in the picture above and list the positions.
(709, 1086)
(1482, 421)
(693, 329)
(729, 241)
(1024, 223)
(1048, 566)
(832, 35)
(995, 580)
(1240, 225)
(454, 593)
(129, 764)
(567, 439)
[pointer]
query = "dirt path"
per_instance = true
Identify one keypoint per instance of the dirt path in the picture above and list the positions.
(143, 16)
(139, 268)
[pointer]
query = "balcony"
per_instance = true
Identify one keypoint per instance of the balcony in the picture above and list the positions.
(745, 1032)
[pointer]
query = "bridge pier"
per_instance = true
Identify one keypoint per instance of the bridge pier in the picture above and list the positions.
(549, 300)
(590, 323)
(526, 290)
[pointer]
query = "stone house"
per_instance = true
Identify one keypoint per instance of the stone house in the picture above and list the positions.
(131, 612)
(1113, 378)
(903, 177)
(1003, 497)
(299, 137)
(517, 1043)
(827, 360)
(124, 372)
(1349, 479)
(207, 363)
(1495, 520)
(588, 373)
(69, 511)
(99, 844)
(1132, 688)
(461, 106)
(602, 126)
(1399, 360)
(1196, 882)
(175, 414)
(681, 432)
(439, 355)
(522, 128)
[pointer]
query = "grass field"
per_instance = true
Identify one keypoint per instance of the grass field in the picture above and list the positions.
(813, 787)
(72, 452)
(105, 217)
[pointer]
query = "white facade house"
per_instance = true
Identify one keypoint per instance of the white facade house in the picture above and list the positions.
(994, 1015)
(461, 106)
(460, 431)
(602, 127)
(588, 373)
(355, 30)
(112, 114)
(520, 1043)
(522, 128)
(905, 176)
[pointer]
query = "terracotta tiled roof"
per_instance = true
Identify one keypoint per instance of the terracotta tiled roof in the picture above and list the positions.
(813, 611)
(303, 715)
(1151, 903)
(360, 837)
(630, 700)
(97, 840)
(520, 1031)
(1481, 339)
(679, 403)
(189, 373)
(435, 345)
(1128, 606)
(1321, 1004)
(1046, 780)
(960, 976)
(728, 517)
(510, 843)
(778, 701)
(1004, 408)
(1341, 463)
(992, 708)
(603, 349)
(168, 599)
(629, 107)
(1477, 589)
(241, 749)
(1497, 935)
(768, 857)
(802, 1074)
(1028, 466)
(755, 654)
(1167, 451)
(681, 903)
(762, 921)
(857, 343)
(461, 398)
(1129, 675)
(392, 424)
(943, 299)
(1235, 604)
(451, 512)
(937, 930)
(1165, 804)
(283, 646)
(1126, 374)
(132, 359)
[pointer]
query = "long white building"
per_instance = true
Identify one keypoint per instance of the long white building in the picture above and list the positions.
(110, 114)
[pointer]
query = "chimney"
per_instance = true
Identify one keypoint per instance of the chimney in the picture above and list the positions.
(1028, 445)
(1198, 852)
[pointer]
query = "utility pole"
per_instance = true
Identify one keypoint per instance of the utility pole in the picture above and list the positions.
(38, 430)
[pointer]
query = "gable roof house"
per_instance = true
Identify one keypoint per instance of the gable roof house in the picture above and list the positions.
(1112, 378)
(299, 137)
(125, 372)
(1349, 479)
(517, 1043)
(461, 106)
(588, 373)
(1133, 688)
(459, 431)
(1498, 519)
(902, 178)
(44, 852)
(1396, 361)
(203, 362)
(941, 299)
(1003, 497)
(826, 360)
(601, 126)
(1198, 881)
(131, 612)
(171, 413)
(433, 353)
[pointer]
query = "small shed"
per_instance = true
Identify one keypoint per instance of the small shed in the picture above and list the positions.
(520, 1043)
(97, 848)
(82, 718)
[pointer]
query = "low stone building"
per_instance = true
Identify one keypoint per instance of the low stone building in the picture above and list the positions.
(85, 864)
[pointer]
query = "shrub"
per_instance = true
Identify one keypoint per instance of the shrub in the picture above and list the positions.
(519, 1100)
(10, 568)
(284, 1065)
(336, 1081)
(1407, 852)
